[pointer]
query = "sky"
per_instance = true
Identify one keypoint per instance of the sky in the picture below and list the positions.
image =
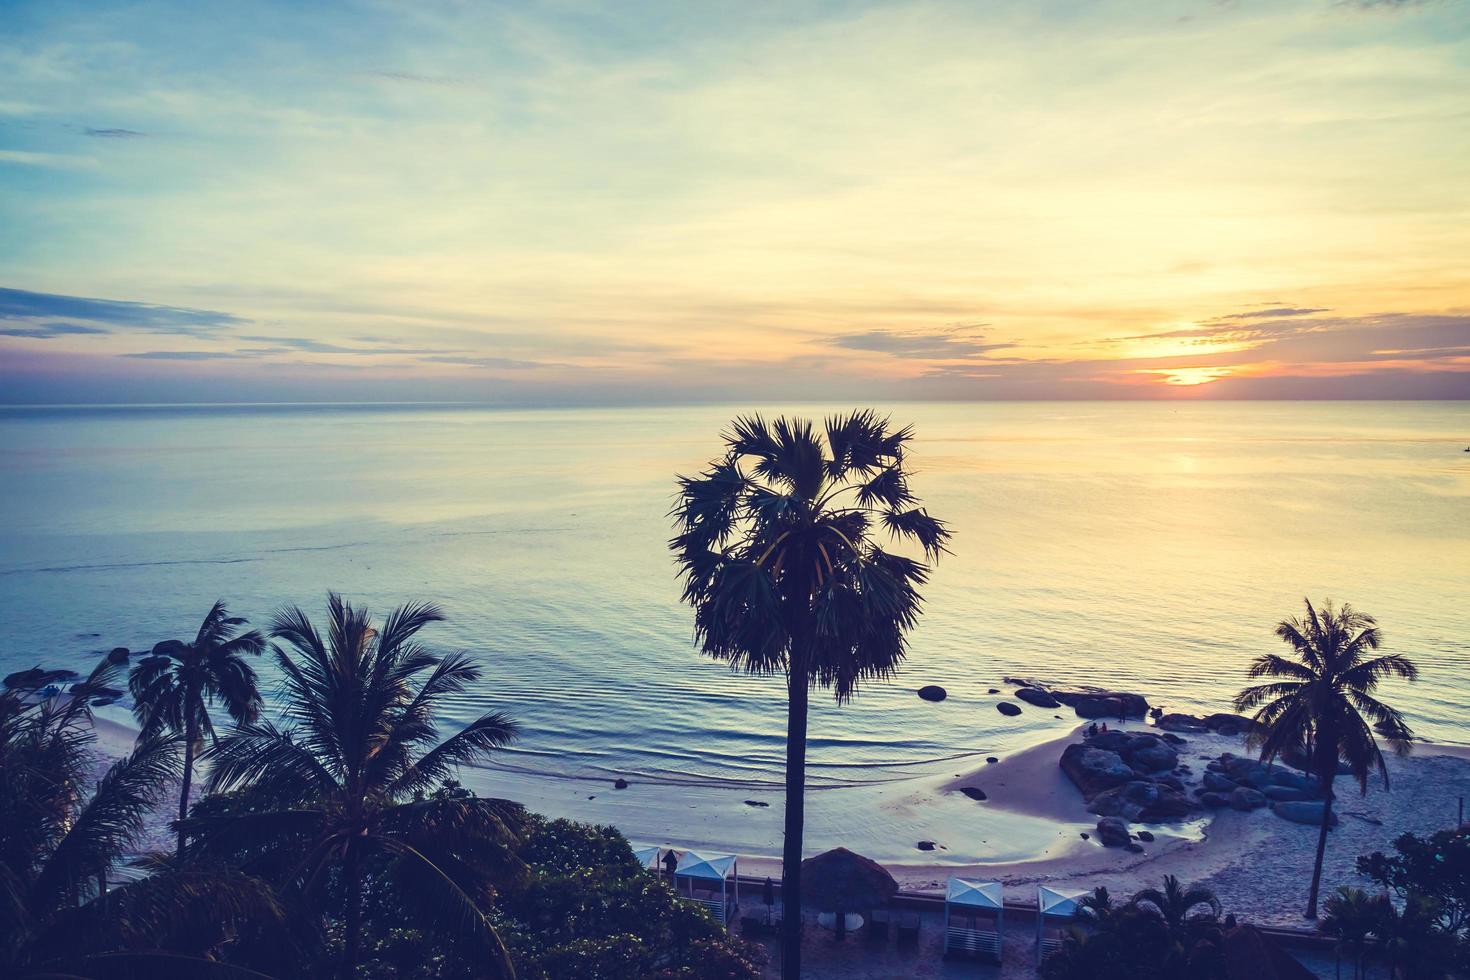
(575, 203)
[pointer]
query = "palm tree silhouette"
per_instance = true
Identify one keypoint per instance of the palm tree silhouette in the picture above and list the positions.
(1321, 705)
(350, 776)
(173, 688)
(775, 541)
(59, 844)
(1174, 903)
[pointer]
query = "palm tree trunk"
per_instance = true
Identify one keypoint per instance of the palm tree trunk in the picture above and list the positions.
(1321, 848)
(796, 709)
(352, 927)
(190, 733)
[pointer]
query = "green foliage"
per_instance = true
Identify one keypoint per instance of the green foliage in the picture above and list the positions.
(1171, 933)
(591, 911)
(1430, 928)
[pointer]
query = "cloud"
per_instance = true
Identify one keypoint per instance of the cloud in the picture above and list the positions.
(951, 344)
(505, 363)
(185, 355)
(21, 304)
(1279, 311)
(46, 331)
(114, 134)
(309, 346)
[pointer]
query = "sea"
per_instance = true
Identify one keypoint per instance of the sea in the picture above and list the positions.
(1142, 546)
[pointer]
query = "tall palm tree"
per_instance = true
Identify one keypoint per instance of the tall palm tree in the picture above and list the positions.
(174, 687)
(348, 779)
(62, 834)
(1320, 706)
(776, 544)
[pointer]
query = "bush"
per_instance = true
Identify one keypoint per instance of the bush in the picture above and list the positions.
(591, 912)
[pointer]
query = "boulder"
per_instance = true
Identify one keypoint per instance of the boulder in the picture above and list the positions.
(36, 677)
(1098, 707)
(1112, 741)
(1008, 709)
(1307, 812)
(1214, 800)
(1219, 783)
(1283, 794)
(1112, 803)
(1182, 723)
(974, 792)
(1223, 723)
(1036, 696)
(1093, 770)
(1145, 836)
(925, 845)
(1104, 704)
(1113, 832)
(1245, 798)
(1154, 758)
(933, 693)
(620, 783)
(1169, 805)
(991, 760)
(993, 690)
(1133, 847)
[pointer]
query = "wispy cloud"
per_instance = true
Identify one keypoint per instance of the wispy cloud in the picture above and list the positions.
(185, 355)
(310, 346)
(113, 134)
(952, 344)
(22, 304)
(1275, 312)
(49, 330)
(503, 363)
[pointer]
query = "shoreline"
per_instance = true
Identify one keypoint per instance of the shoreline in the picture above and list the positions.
(1027, 832)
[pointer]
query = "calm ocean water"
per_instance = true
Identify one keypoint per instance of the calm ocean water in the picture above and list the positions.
(1146, 546)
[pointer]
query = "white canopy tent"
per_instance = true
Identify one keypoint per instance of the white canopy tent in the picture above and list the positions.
(974, 914)
(649, 857)
(708, 872)
(1053, 909)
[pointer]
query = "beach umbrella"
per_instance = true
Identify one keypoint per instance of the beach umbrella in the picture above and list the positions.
(841, 881)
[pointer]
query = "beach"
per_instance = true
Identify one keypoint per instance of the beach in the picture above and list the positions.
(1027, 833)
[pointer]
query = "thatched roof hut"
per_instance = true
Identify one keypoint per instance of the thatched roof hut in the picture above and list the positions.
(841, 881)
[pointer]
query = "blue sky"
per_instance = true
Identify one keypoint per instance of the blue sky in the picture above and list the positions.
(570, 202)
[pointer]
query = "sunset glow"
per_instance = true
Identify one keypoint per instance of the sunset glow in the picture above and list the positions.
(571, 202)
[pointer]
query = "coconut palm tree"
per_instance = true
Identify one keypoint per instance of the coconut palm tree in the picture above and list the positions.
(347, 781)
(1174, 904)
(62, 834)
(1349, 916)
(1321, 707)
(776, 542)
(174, 687)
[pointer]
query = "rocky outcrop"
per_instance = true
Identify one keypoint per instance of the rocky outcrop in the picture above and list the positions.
(1038, 697)
(933, 693)
(1008, 709)
(1128, 775)
(1094, 770)
(1089, 703)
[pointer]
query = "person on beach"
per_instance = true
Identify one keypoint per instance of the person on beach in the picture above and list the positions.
(671, 862)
